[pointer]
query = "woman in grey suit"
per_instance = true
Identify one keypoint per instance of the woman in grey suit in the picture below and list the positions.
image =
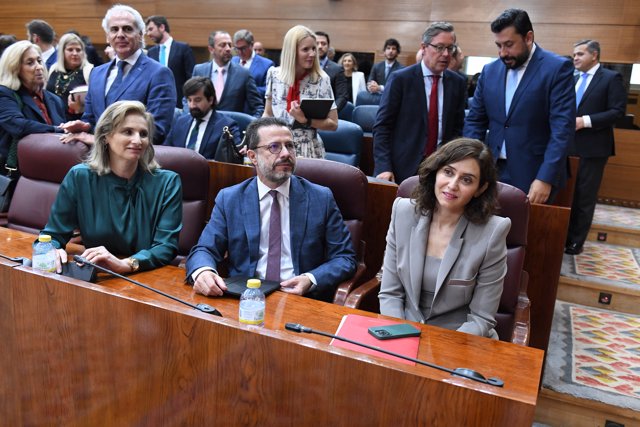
(446, 254)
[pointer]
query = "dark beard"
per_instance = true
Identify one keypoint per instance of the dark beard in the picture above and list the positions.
(197, 113)
(518, 60)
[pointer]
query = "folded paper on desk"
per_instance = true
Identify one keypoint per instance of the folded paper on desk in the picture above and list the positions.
(355, 328)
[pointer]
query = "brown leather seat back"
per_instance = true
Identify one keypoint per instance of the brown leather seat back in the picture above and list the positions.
(44, 162)
(194, 175)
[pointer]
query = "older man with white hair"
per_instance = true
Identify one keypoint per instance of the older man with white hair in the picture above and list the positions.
(130, 76)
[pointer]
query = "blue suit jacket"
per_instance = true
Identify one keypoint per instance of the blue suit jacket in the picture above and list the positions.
(240, 92)
(180, 132)
(147, 82)
(258, 70)
(18, 121)
(181, 63)
(400, 130)
(320, 242)
(377, 72)
(540, 123)
(52, 59)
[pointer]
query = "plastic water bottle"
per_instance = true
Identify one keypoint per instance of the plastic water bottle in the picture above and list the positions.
(44, 254)
(252, 304)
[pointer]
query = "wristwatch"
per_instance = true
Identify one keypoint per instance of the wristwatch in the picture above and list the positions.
(134, 264)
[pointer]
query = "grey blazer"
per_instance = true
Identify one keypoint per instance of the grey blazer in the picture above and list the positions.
(470, 279)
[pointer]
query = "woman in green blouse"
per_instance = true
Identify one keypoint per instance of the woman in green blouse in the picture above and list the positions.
(128, 210)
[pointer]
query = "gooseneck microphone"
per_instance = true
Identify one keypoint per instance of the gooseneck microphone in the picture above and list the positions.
(459, 372)
(22, 260)
(205, 308)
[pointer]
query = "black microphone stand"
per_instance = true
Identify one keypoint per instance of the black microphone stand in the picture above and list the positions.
(22, 260)
(205, 308)
(459, 372)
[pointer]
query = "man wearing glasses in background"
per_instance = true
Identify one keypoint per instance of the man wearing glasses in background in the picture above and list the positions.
(275, 226)
(247, 58)
(422, 107)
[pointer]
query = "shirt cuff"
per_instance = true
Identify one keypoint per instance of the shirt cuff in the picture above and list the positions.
(587, 121)
(314, 282)
(195, 274)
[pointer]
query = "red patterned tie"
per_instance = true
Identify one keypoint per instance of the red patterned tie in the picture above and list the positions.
(432, 128)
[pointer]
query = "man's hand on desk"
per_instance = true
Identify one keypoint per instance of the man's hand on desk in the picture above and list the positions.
(209, 283)
(298, 285)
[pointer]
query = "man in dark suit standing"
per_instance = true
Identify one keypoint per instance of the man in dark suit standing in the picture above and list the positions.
(235, 88)
(131, 76)
(250, 60)
(333, 70)
(601, 100)
(201, 129)
(381, 71)
(422, 107)
(275, 226)
(526, 100)
(176, 55)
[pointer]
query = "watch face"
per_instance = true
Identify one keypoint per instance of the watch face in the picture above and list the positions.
(135, 265)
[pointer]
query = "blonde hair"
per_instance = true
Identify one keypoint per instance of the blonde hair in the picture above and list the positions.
(59, 66)
(353, 58)
(11, 62)
(289, 56)
(109, 122)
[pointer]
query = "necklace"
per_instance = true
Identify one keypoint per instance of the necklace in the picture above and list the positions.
(63, 81)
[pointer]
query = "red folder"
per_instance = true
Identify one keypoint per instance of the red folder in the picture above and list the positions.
(355, 328)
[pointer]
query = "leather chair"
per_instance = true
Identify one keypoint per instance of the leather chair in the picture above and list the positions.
(242, 119)
(44, 162)
(365, 117)
(343, 145)
(366, 98)
(347, 112)
(194, 175)
(349, 187)
(513, 319)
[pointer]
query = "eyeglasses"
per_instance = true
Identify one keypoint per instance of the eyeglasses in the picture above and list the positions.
(440, 48)
(241, 48)
(276, 148)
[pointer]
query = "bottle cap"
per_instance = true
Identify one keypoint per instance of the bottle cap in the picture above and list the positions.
(44, 238)
(253, 283)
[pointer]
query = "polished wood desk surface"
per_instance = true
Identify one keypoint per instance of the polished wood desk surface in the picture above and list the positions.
(519, 367)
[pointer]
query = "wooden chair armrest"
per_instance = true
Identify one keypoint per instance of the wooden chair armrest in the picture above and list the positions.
(365, 296)
(522, 323)
(346, 287)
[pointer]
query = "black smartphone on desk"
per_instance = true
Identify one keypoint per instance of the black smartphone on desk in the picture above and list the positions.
(388, 332)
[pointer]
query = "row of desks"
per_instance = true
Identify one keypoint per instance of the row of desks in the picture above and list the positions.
(113, 353)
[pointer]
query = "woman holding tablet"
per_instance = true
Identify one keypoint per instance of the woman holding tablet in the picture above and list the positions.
(298, 77)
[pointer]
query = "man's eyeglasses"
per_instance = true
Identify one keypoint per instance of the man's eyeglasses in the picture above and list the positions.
(277, 148)
(439, 48)
(241, 48)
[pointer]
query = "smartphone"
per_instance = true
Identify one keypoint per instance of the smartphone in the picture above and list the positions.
(388, 332)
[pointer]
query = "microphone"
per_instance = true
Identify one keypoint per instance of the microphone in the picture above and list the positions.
(459, 372)
(22, 260)
(205, 308)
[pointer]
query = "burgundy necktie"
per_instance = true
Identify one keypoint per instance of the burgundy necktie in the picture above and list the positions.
(432, 128)
(275, 240)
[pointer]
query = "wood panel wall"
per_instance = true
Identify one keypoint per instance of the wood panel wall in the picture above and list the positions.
(359, 25)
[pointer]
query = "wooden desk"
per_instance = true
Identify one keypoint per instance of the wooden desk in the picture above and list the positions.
(112, 353)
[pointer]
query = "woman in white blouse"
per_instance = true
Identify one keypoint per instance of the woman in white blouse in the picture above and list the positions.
(355, 78)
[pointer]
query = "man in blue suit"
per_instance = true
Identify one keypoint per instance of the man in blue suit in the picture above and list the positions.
(131, 76)
(601, 99)
(403, 133)
(202, 128)
(526, 102)
(235, 88)
(250, 60)
(171, 53)
(275, 226)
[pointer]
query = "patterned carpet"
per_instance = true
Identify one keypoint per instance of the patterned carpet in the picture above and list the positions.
(604, 263)
(616, 216)
(594, 354)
